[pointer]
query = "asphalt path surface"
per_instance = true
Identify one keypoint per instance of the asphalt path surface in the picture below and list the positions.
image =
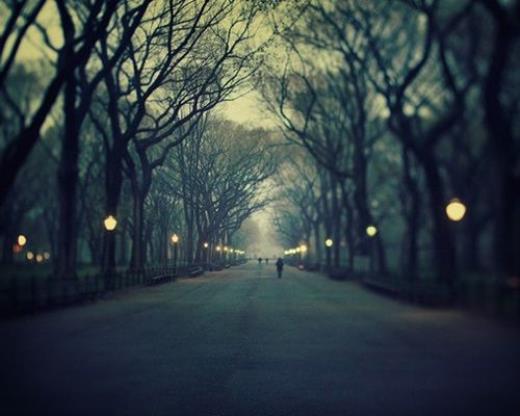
(242, 342)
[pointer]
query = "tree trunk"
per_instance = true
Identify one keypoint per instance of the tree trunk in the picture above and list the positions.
(443, 241)
(499, 122)
(67, 185)
(136, 262)
(349, 226)
(318, 243)
(412, 219)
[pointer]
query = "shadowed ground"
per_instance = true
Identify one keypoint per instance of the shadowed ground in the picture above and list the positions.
(241, 342)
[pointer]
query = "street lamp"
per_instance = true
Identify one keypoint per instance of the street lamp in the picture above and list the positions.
(175, 242)
(21, 240)
(329, 242)
(110, 223)
(371, 230)
(455, 210)
(206, 254)
(30, 255)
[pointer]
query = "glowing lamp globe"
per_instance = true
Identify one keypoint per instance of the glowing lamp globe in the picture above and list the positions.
(206, 245)
(218, 248)
(110, 223)
(21, 240)
(329, 242)
(455, 210)
(303, 248)
(175, 238)
(371, 230)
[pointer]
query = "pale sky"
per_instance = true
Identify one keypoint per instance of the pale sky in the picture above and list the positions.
(249, 110)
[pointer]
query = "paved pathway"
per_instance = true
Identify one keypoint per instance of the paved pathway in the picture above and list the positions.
(241, 342)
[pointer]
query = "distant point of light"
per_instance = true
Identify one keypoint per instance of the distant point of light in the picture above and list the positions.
(206, 245)
(329, 242)
(371, 230)
(303, 248)
(30, 255)
(39, 258)
(175, 238)
(21, 240)
(455, 210)
(110, 223)
(218, 248)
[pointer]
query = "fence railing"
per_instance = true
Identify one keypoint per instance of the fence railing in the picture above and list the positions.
(30, 294)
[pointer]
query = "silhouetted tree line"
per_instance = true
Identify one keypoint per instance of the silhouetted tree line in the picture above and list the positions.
(401, 106)
(96, 97)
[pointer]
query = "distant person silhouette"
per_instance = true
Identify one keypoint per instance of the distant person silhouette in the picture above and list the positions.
(279, 267)
(259, 260)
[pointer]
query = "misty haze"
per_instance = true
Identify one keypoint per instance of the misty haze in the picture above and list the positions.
(259, 207)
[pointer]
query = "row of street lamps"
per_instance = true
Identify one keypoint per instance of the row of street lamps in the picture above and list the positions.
(21, 242)
(455, 211)
(301, 249)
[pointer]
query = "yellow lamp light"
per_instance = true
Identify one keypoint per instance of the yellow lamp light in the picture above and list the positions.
(175, 238)
(329, 242)
(30, 255)
(21, 240)
(218, 248)
(455, 210)
(303, 248)
(371, 230)
(110, 223)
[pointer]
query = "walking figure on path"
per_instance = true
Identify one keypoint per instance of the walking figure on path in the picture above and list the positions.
(259, 260)
(279, 267)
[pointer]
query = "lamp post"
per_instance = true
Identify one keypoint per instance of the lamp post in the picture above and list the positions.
(206, 253)
(329, 242)
(175, 242)
(110, 224)
(371, 232)
(303, 251)
(218, 250)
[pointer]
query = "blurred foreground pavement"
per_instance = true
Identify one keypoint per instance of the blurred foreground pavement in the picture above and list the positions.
(241, 342)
